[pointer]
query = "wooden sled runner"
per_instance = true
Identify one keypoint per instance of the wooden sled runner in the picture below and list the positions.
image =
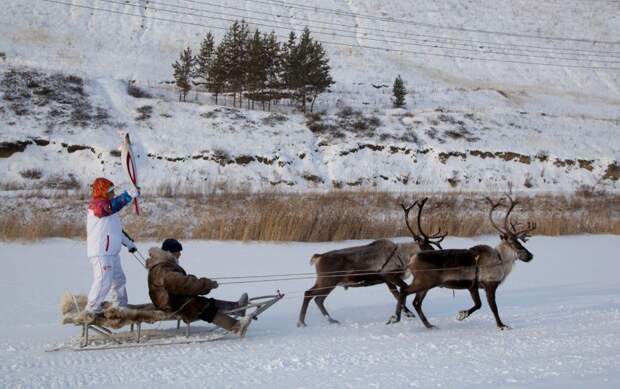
(103, 337)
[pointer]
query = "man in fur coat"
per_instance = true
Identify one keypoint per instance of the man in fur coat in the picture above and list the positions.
(171, 289)
(104, 235)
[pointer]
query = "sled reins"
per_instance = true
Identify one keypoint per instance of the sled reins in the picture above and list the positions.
(305, 276)
(254, 279)
(139, 257)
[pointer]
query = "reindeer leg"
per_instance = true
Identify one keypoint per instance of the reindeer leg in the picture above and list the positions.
(490, 289)
(319, 302)
(417, 304)
(393, 319)
(308, 295)
(475, 295)
(402, 298)
(395, 292)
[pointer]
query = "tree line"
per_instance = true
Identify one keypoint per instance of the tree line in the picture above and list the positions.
(257, 67)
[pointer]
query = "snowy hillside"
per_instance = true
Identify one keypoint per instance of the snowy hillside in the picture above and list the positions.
(534, 112)
(565, 318)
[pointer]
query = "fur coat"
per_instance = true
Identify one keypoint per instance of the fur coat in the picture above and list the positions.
(171, 289)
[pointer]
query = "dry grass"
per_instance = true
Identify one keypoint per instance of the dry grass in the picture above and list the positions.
(311, 217)
(14, 228)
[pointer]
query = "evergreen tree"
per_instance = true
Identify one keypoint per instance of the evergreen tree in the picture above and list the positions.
(272, 52)
(319, 78)
(205, 58)
(302, 79)
(218, 72)
(182, 73)
(235, 53)
(290, 64)
(399, 91)
(306, 69)
(256, 66)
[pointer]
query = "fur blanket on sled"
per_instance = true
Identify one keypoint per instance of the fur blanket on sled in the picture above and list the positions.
(72, 308)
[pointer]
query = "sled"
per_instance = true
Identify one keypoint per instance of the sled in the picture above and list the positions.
(97, 330)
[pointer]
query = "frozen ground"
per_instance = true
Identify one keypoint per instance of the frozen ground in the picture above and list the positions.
(564, 307)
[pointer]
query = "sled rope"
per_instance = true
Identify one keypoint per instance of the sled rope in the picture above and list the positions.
(307, 276)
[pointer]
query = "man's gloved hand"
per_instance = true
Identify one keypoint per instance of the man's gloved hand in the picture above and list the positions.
(214, 284)
(134, 192)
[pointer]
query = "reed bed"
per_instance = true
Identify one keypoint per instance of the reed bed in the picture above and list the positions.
(330, 216)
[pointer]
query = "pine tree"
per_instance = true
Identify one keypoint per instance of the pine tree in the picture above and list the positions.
(256, 66)
(235, 53)
(273, 66)
(182, 73)
(259, 65)
(290, 65)
(306, 69)
(304, 54)
(205, 58)
(319, 78)
(218, 72)
(399, 91)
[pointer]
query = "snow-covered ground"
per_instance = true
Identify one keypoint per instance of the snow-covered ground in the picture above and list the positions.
(490, 146)
(564, 308)
(470, 125)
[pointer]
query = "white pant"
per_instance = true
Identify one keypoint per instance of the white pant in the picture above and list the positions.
(107, 274)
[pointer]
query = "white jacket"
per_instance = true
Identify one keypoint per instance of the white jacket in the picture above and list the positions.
(104, 234)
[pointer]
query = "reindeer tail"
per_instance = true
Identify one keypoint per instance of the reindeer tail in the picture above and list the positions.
(315, 258)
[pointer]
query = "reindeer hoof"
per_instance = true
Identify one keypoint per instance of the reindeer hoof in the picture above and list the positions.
(409, 315)
(332, 321)
(462, 315)
(301, 324)
(432, 327)
(393, 319)
(504, 327)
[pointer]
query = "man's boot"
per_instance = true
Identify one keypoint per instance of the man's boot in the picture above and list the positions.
(243, 301)
(224, 321)
(237, 327)
(241, 327)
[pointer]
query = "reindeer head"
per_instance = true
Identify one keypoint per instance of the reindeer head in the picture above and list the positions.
(424, 241)
(509, 233)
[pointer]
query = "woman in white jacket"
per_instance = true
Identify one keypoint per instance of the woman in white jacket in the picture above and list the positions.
(104, 237)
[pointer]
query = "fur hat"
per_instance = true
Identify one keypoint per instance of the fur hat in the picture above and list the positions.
(171, 245)
(101, 186)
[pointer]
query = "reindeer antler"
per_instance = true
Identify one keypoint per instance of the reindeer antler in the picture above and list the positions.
(510, 228)
(407, 210)
(434, 239)
(512, 205)
(524, 233)
(494, 206)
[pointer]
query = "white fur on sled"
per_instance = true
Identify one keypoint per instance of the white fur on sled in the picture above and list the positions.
(72, 308)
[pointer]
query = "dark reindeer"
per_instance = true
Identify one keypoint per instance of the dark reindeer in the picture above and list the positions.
(380, 262)
(477, 267)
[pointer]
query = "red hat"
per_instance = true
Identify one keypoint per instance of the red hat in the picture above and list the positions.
(101, 186)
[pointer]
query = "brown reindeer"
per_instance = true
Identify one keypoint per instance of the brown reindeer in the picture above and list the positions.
(380, 262)
(477, 267)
